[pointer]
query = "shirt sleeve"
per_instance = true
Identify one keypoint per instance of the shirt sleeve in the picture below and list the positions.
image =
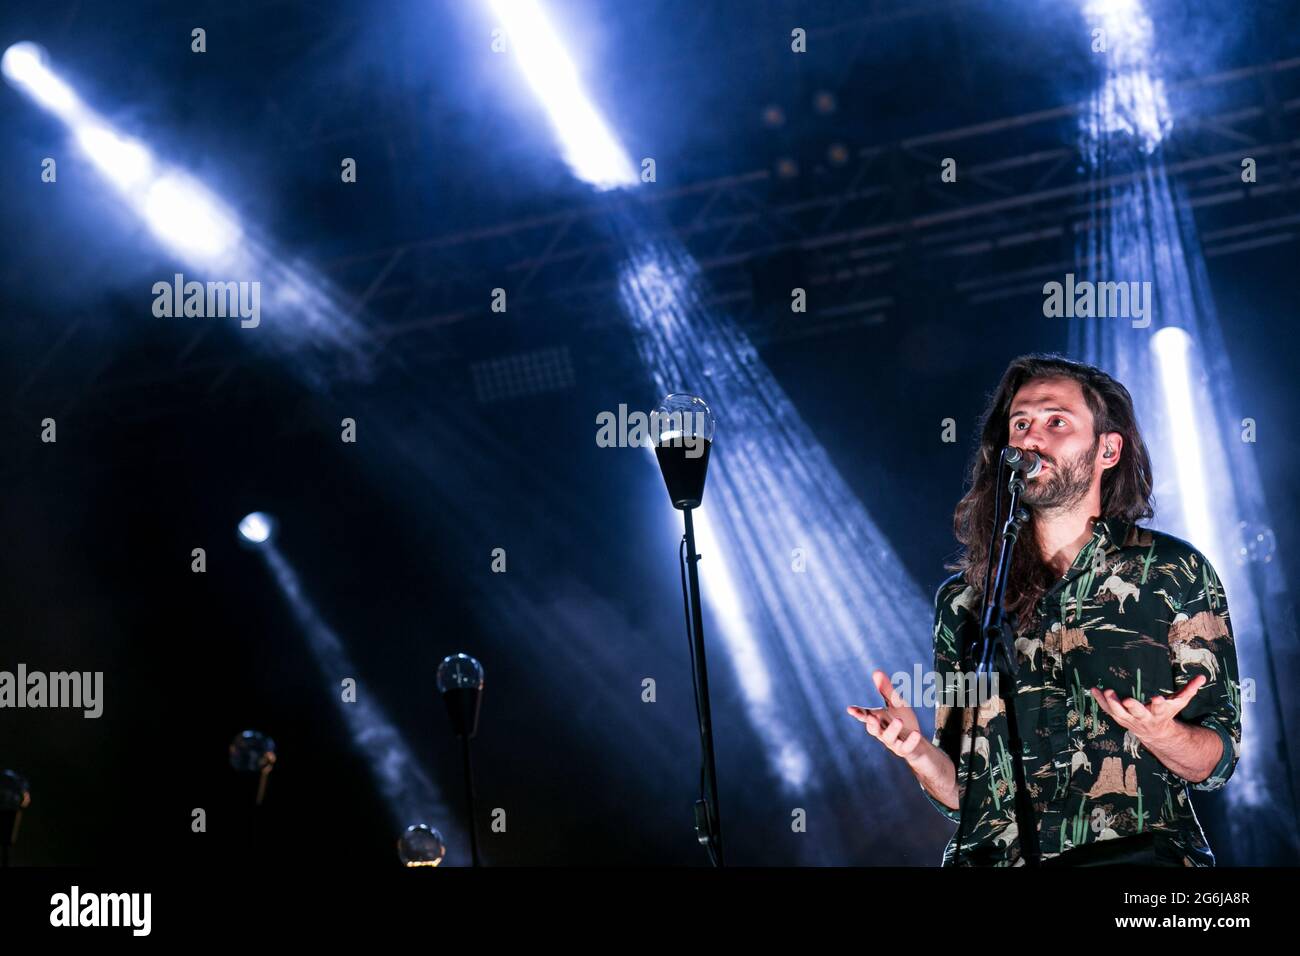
(947, 734)
(1201, 642)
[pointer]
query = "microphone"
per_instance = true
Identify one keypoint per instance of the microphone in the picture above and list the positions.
(1022, 460)
(460, 681)
(683, 434)
(254, 752)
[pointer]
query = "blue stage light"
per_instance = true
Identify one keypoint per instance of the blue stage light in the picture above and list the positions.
(257, 527)
(1175, 355)
(26, 66)
(590, 149)
(203, 231)
(178, 210)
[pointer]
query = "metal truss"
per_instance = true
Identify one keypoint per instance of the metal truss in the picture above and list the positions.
(877, 237)
(863, 239)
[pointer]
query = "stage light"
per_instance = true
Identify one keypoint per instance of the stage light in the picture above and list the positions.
(589, 148)
(257, 528)
(25, 65)
(177, 209)
(405, 787)
(1115, 11)
(1174, 355)
(186, 216)
(122, 160)
(1182, 383)
(1131, 99)
(205, 233)
(1128, 30)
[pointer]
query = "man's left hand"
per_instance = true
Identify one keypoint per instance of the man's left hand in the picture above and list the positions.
(1150, 723)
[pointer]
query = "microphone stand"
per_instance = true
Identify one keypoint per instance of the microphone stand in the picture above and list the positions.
(9, 820)
(998, 658)
(708, 820)
(469, 800)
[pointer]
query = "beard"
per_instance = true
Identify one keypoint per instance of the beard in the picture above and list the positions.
(1068, 484)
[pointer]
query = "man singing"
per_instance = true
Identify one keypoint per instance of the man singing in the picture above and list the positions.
(1127, 691)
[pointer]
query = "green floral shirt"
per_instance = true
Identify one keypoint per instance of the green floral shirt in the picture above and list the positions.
(1139, 612)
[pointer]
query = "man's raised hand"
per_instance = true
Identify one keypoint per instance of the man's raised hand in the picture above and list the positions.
(894, 725)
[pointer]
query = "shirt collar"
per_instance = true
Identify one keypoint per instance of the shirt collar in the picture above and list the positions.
(1114, 532)
(1108, 536)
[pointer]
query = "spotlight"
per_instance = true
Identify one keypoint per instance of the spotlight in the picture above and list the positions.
(404, 785)
(186, 216)
(23, 62)
(591, 150)
(1174, 354)
(123, 161)
(1132, 100)
(421, 845)
(177, 209)
(1119, 11)
(257, 529)
(192, 222)
(25, 65)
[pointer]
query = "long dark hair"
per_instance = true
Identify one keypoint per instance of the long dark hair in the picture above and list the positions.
(1125, 487)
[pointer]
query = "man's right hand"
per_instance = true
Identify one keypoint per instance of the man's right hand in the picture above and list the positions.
(895, 725)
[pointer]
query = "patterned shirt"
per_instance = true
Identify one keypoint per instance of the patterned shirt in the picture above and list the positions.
(1139, 612)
